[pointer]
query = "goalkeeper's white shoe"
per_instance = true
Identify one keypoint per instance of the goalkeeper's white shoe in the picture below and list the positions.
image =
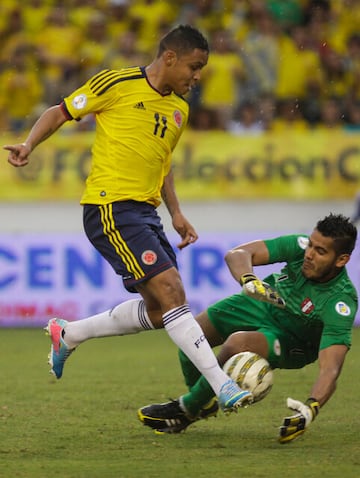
(59, 351)
(232, 397)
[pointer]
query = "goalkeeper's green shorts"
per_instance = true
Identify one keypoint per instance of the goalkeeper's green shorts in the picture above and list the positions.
(286, 350)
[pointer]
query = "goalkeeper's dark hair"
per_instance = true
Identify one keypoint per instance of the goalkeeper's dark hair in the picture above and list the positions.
(341, 230)
(183, 39)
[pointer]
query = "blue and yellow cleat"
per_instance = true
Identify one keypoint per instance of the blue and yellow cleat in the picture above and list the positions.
(232, 397)
(59, 351)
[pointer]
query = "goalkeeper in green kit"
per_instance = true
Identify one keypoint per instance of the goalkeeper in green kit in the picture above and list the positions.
(292, 318)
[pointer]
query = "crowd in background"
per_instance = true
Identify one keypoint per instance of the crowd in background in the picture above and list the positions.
(274, 64)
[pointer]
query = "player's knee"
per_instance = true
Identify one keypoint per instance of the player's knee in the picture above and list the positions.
(162, 293)
(169, 290)
(243, 342)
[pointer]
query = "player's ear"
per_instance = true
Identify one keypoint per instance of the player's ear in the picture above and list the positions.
(169, 57)
(342, 260)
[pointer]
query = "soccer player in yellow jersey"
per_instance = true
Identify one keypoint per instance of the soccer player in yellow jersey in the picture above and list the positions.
(140, 116)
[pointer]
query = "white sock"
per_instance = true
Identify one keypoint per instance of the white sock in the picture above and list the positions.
(127, 318)
(189, 337)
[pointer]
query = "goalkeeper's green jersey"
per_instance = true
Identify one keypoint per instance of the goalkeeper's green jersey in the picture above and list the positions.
(326, 310)
(137, 128)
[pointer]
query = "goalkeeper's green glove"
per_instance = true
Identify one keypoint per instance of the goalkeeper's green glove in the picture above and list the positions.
(296, 425)
(259, 290)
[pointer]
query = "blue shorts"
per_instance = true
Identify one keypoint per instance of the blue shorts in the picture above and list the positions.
(130, 236)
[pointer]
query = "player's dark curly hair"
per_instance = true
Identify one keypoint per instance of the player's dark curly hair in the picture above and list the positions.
(183, 39)
(341, 230)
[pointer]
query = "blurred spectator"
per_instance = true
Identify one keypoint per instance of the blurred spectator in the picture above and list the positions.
(94, 48)
(222, 77)
(80, 12)
(331, 115)
(119, 20)
(345, 20)
(352, 65)
(260, 50)
(206, 15)
(58, 46)
(235, 19)
(124, 52)
(246, 120)
(289, 116)
(267, 110)
(287, 13)
(149, 18)
(353, 118)
(20, 91)
(202, 119)
(337, 79)
(299, 71)
(12, 35)
(317, 18)
(35, 22)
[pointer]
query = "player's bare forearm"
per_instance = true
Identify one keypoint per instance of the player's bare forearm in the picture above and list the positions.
(331, 361)
(44, 127)
(180, 223)
(49, 122)
(169, 196)
(241, 259)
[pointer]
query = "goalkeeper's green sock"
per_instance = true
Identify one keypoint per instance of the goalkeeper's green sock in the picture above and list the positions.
(199, 396)
(190, 372)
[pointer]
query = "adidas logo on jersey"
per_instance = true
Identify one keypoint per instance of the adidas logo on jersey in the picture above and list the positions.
(140, 106)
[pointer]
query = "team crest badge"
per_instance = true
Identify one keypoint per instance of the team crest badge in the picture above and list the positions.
(149, 257)
(178, 118)
(307, 306)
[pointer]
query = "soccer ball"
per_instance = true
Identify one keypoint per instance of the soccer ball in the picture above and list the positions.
(251, 372)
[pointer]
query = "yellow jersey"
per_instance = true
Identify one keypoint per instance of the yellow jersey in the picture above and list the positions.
(137, 128)
(220, 82)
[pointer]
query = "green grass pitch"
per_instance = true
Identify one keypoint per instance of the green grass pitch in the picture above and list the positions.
(85, 424)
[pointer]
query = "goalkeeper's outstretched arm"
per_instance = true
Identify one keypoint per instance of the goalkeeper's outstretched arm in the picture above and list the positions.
(331, 361)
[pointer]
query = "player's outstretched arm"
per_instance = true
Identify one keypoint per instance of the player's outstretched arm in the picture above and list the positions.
(331, 361)
(45, 126)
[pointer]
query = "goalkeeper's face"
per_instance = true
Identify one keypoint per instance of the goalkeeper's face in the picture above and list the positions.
(321, 262)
